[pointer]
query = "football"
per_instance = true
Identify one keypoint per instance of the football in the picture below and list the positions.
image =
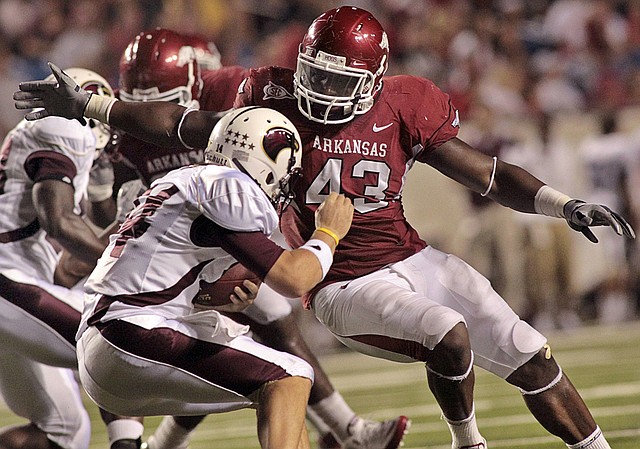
(213, 294)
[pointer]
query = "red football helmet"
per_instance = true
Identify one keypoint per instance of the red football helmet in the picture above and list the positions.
(160, 64)
(341, 61)
(207, 54)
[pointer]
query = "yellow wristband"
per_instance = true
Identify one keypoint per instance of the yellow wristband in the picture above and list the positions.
(330, 233)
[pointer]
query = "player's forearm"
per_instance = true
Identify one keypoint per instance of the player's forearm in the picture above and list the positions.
(297, 271)
(514, 187)
(153, 122)
(73, 234)
(158, 122)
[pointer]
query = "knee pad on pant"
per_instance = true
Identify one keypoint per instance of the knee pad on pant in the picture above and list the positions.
(459, 378)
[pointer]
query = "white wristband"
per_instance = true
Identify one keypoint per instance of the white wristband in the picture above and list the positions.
(99, 107)
(322, 251)
(550, 202)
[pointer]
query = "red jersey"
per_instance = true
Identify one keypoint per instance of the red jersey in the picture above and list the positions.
(152, 162)
(367, 159)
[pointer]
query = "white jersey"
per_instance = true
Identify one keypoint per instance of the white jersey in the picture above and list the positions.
(151, 269)
(50, 148)
(608, 159)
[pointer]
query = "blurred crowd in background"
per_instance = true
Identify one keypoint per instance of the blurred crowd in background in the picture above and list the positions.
(552, 85)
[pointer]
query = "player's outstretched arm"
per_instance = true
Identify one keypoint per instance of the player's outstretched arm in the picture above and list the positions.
(160, 123)
(514, 187)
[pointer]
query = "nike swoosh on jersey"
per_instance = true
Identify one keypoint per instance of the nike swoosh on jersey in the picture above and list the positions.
(377, 129)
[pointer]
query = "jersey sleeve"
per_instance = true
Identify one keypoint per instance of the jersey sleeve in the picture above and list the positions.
(429, 115)
(265, 86)
(61, 148)
(233, 201)
(220, 87)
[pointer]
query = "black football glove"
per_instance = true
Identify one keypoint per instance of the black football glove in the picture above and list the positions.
(61, 97)
(581, 216)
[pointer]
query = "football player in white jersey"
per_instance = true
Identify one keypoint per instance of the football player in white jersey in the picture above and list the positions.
(144, 346)
(44, 173)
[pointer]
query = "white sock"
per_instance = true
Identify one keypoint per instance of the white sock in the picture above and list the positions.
(124, 429)
(594, 441)
(336, 414)
(169, 435)
(465, 432)
(317, 422)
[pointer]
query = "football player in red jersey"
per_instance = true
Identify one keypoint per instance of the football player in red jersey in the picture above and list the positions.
(388, 293)
(159, 64)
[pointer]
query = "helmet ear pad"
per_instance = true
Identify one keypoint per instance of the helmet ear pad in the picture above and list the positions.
(160, 65)
(263, 144)
(341, 61)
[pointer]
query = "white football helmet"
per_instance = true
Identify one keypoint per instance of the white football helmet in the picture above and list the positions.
(263, 144)
(92, 82)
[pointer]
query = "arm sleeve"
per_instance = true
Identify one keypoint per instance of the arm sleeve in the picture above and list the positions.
(42, 165)
(430, 117)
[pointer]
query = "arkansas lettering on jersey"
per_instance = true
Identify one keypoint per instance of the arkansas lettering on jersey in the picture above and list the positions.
(367, 159)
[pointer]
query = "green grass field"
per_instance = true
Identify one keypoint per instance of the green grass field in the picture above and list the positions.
(603, 363)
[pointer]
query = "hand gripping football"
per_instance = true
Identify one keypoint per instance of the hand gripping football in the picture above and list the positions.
(213, 294)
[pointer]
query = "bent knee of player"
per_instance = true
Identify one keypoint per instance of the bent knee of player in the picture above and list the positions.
(452, 355)
(540, 371)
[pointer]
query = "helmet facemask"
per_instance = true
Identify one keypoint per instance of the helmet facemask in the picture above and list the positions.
(160, 65)
(330, 92)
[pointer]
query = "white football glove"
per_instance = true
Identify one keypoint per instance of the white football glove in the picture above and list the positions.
(61, 97)
(581, 215)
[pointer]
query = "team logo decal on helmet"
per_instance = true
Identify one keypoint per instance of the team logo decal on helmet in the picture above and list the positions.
(263, 144)
(275, 91)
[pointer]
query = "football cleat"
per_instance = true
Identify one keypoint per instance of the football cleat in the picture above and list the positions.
(377, 435)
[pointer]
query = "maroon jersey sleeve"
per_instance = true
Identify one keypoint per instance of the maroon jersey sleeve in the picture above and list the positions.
(220, 87)
(254, 250)
(265, 86)
(41, 165)
(427, 113)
